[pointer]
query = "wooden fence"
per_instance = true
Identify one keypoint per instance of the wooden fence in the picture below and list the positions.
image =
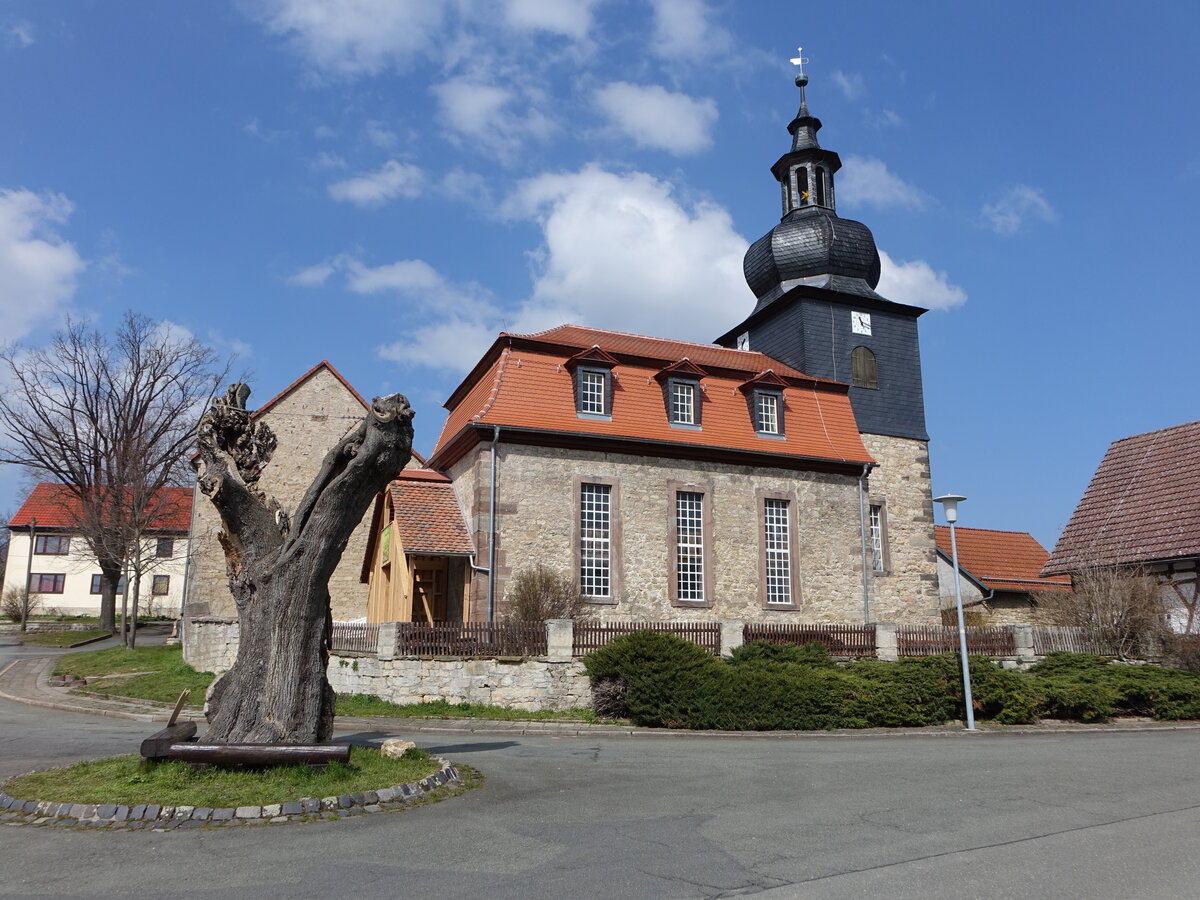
(354, 637)
(853, 641)
(471, 639)
(930, 640)
(592, 635)
(1069, 640)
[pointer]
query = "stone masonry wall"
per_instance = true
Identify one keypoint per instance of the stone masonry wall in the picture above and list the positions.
(908, 591)
(210, 643)
(307, 422)
(538, 505)
(530, 684)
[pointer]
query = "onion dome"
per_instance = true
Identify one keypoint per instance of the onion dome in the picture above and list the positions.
(811, 245)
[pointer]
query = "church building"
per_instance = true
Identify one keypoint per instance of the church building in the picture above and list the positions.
(780, 473)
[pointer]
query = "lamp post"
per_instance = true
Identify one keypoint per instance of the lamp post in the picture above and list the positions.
(950, 509)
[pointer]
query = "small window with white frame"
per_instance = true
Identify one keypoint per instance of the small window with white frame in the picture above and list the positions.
(767, 412)
(683, 402)
(592, 392)
(877, 535)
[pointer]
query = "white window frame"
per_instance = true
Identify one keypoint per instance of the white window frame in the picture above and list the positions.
(877, 537)
(685, 402)
(595, 540)
(777, 551)
(689, 547)
(592, 387)
(768, 412)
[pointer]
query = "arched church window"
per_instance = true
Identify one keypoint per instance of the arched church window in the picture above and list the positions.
(862, 368)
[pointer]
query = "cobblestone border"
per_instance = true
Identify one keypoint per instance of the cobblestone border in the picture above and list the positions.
(153, 817)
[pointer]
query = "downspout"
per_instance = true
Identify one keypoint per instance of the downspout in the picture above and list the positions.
(862, 529)
(491, 589)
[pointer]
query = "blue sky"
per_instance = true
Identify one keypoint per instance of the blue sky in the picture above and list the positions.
(388, 183)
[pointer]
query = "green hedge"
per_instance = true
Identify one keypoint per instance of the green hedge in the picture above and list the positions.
(670, 682)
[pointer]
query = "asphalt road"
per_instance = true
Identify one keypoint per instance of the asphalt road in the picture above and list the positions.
(1071, 815)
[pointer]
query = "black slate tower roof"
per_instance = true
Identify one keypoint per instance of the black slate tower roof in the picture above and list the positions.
(814, 276)
(811, 244)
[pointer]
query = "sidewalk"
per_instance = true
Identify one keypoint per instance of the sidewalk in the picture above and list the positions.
(27, 681)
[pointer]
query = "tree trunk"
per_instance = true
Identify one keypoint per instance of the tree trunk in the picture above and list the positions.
(279, 570)
(110, 576)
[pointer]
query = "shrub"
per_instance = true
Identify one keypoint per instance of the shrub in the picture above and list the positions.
(635, 673)
(1186, 653)
(1063, 699)
(1068, 664)
(1118, 608)
(540, 593)
(814, 655)
(15, 601)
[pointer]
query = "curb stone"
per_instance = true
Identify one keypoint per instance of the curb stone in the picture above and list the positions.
(169, 818)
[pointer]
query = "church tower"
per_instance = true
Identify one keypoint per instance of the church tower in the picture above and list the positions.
(814, 276)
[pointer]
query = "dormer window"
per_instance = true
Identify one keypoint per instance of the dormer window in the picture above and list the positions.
(764, 400)
(593, 392)
(766, 412)
(592, 373)
(683, 402)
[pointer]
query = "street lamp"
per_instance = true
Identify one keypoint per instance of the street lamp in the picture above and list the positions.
(950, 508)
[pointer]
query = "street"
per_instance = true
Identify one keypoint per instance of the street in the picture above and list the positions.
(1059, 815)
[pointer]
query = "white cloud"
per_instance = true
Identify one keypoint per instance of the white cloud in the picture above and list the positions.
(621, 251)
(683, 31)
(406, 275)
(38, 269)
(658, 118)
(393, 179)
(571, 18)
(313, 276)
(918, 284)
(326, 160)
(353, 37)
(867, 181)
(1017, 205)
(20, 32)
(851, 84)
(476, 110)
(882, 118)
(454, 344)
(380, 135)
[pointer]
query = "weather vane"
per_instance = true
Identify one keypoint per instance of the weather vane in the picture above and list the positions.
(801, 79)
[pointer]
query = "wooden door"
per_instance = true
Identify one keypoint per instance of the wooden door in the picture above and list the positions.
(429, 590)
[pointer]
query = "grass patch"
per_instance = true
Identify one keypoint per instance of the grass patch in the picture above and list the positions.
(61, 638)
(368, 705)
(125, 780)
(163, 674)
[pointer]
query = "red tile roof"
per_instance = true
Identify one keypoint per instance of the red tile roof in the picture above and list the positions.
(1001, 560)
(524, 382)
(53, 506)
(1143, 504)
(428, 517)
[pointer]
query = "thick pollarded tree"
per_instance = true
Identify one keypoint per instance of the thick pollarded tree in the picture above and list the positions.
(111, 419)
(279, 563)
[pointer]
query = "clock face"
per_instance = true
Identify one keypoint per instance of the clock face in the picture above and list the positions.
(860, 322)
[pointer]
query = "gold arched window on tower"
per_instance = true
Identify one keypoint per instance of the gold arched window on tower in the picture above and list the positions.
(862, 368)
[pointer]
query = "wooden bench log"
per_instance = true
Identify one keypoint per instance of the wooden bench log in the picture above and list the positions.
(157, 745)
(317, 756)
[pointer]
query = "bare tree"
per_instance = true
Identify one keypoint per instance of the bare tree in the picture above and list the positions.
(1118, 608)
(111, 420)
(279, 563)
(540, 593)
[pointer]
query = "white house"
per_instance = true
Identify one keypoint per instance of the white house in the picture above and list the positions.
(64, 576)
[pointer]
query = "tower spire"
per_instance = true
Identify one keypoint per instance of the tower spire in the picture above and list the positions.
(801, 79)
